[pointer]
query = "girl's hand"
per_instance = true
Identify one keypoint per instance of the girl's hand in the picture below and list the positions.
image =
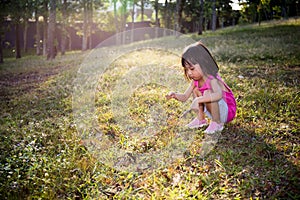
(171, 95)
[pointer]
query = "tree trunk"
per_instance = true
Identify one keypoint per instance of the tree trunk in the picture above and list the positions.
(51, 31)
(214, 16)
(156, 19)
(200, 31)
(156, 13)
(123, 19)
(25, 48)
(2, 32)
(1, 50)
(70, 42)
(132, 26)
(38, 36)
(63, 28)
(116, 21)
(142, 9)
(18, 48)
(179, 7)
(90, 24)
(45, 36)
(45, 27)
(90, 41)
(85, 26)
(284, 10)
(167, 17)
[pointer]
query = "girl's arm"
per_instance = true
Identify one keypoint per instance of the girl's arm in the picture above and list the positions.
(182, 97)
(215, 95)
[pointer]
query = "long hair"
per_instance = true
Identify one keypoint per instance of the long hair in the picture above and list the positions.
(199, 54)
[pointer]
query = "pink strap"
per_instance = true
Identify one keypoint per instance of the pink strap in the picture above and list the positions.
(220, 79)
(196, 83)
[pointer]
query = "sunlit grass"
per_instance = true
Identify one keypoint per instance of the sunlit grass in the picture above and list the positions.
(256, 157)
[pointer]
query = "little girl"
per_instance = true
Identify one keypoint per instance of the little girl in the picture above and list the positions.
(211, 94)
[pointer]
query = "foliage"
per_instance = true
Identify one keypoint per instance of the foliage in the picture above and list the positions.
(257, 156)
(259, 10)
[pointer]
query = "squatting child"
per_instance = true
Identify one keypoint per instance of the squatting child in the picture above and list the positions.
(212, 96)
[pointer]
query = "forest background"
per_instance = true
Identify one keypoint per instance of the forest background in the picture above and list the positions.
(52, 26)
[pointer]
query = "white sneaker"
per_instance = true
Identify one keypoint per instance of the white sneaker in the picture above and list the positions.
(196, 123)
(214, 127)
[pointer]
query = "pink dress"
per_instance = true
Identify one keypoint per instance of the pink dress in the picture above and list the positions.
(227, 96)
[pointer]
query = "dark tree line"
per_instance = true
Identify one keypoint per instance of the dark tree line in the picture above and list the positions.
(181, 15)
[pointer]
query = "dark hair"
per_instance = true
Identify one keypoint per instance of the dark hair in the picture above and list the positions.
(199, 54)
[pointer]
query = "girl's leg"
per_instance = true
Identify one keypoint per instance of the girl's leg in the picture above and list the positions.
(201, 115)
(200, 120)
(213, 109)
(216, 124)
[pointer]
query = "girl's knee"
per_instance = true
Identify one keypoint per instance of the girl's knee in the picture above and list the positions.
(207, 92)
(212, 107)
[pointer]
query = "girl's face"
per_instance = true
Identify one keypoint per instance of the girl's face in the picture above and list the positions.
(194, 71)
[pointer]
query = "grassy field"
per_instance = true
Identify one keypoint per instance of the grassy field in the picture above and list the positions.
(43, 156)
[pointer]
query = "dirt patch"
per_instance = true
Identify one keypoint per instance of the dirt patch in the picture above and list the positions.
(11, 84)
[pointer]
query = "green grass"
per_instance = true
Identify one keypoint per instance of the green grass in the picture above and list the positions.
(256, 156)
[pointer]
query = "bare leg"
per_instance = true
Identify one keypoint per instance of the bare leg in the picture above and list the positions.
(198, 121)
(213, 108)
(197, 93)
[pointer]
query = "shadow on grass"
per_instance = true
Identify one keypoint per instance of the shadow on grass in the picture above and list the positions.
(258, 169)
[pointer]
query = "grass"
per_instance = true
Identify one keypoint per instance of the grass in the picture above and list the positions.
(255, 157)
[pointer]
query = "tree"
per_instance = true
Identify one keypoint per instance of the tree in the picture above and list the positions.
(116, 21)
(120, 16)
(1, 50)
(123, 16)
(17, 38)
(45, 15)
(64, 8)
(18, 11)
(142, 9)
(90, 23)
(156, 8)
(166, 15)
(28, 9)
(259, 10)
(179, 8)
(200, 30)
(38, 28)
(85, 25)
(225, 14)
(214, 16)
(51, 53)
(132, 21)
(3, 14)
(14, 7)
